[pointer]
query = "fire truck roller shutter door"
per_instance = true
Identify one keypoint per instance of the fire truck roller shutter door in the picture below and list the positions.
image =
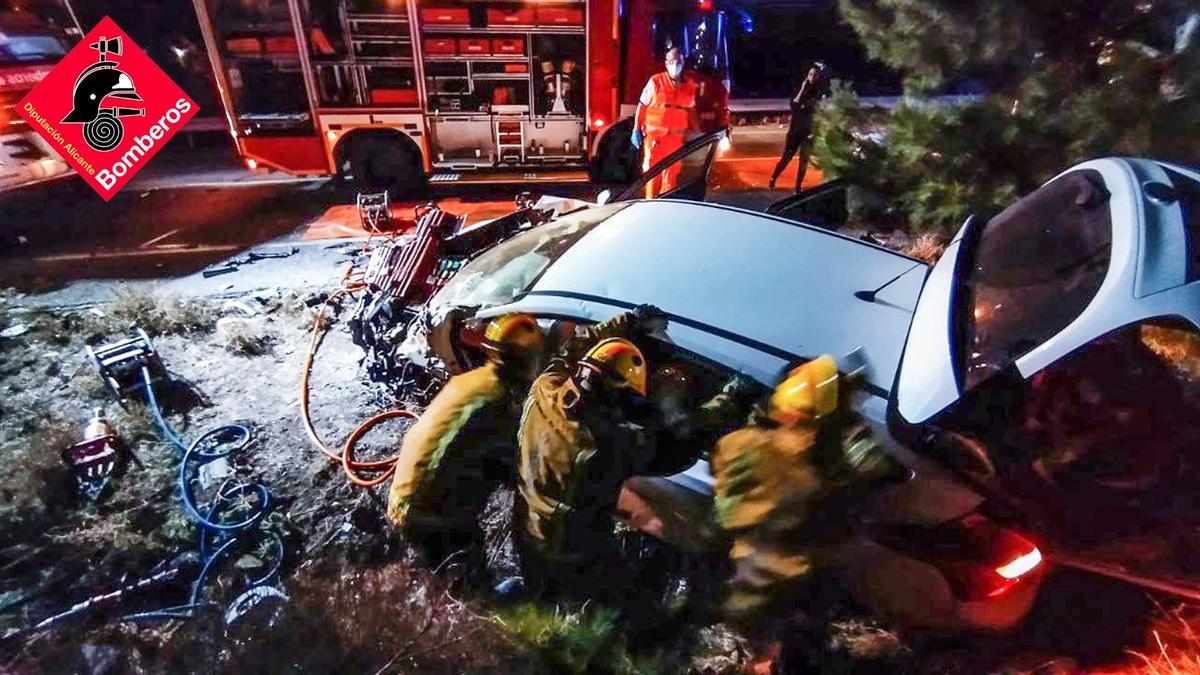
(373, 160)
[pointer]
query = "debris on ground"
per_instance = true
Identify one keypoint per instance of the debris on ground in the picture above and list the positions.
(356, 601)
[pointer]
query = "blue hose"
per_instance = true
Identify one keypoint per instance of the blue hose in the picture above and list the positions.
(214, 532)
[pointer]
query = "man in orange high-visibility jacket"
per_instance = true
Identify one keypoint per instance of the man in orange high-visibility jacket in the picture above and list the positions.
(666, 112)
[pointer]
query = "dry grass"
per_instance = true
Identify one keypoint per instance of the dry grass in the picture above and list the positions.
(554, 639)
(1173, 647)
(1181, 349)
(243, 337)
(35, 471)
(387, 619)
(161, 314)
(927, 247)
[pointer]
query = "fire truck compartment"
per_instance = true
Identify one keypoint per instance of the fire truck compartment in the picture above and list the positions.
(500, 85)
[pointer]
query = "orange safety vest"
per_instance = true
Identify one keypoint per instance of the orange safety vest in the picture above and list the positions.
(669, 109)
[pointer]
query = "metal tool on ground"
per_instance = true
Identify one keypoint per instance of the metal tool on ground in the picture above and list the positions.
(251, 257)
(121, 363)
(229, 521)
(96, 459)
(179, 569)
(375, 211)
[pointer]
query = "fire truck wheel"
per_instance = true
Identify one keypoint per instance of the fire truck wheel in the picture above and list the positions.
(616, 160)
(374, 163)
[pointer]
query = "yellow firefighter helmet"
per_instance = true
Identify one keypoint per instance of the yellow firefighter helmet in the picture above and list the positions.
(810, 391)
(620, 362)
(511, 333)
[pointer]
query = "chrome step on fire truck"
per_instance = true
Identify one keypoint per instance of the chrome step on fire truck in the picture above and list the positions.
(386, 94)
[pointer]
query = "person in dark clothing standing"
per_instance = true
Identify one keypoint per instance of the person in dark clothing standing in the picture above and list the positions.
(799, 135)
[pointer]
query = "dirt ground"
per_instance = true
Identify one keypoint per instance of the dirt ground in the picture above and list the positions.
(357, 601)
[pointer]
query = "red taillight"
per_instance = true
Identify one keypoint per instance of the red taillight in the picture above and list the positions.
(705, 5)
(980, 559)
(1021, 565)
(598, 122)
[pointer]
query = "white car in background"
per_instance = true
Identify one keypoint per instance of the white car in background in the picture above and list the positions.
(990, 374)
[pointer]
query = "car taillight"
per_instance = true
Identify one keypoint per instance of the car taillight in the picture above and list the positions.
(997, 559)
(978, 558)
(1021, 565)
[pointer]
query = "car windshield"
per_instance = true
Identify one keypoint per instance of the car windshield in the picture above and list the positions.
(505, 271)
(1034, 268)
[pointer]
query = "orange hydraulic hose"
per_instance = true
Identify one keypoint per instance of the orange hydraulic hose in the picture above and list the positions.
(354, 469)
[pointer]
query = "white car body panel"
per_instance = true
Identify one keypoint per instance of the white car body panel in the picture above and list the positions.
(746, 278)
(927, 385)
(1146, 279)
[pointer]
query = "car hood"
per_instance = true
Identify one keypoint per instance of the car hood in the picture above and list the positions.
(734, 279)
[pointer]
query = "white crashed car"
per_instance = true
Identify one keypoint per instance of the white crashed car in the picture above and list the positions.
(1039, 379)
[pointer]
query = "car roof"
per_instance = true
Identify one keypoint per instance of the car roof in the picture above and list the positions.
(750, 291)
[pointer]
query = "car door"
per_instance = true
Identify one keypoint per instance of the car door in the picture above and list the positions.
(692, 162)
(1053, 360)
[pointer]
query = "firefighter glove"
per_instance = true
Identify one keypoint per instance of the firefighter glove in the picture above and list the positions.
(649, 320)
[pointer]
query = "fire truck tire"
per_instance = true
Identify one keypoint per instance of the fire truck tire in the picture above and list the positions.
(615, 159)
(378, 162)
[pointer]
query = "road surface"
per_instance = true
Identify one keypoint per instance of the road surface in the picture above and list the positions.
(191, 209)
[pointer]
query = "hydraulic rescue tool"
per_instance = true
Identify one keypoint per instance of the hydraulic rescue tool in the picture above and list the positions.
(230, 521)
(121, 363)
(375, 211)
(96, 459)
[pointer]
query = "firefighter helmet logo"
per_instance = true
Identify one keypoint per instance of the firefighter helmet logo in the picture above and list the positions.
(106, 108)
(97, 86)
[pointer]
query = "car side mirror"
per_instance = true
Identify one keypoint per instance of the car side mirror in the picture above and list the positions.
(604, 197)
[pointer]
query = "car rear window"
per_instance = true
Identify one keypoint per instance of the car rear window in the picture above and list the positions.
(1035, 268)
(1189, 201)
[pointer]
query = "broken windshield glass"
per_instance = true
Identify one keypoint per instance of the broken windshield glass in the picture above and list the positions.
(504, 272)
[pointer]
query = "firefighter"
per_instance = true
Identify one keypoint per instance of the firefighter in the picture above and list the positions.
(666, 113)
(463, 446)
(771, 478)
(799, 135)
(579, 439)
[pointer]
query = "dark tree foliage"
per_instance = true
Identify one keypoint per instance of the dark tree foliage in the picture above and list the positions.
(1065, 81)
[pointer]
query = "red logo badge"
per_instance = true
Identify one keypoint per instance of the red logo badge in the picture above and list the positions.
(106, 108)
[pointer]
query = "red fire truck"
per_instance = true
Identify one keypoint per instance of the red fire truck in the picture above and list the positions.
(386, 94)
(34, 36)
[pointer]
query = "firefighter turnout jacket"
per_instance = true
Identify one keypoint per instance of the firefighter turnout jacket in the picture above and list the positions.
(770, 480)
(456, 453)
(571, 464)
